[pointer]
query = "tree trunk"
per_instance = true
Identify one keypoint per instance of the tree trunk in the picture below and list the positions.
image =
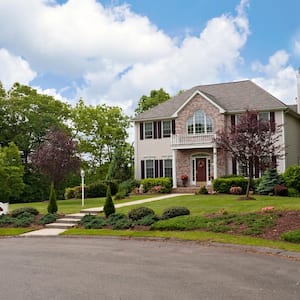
(248, 187)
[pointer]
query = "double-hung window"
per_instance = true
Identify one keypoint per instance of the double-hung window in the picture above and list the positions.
(166, 128)
(149, 168)
(148, 130)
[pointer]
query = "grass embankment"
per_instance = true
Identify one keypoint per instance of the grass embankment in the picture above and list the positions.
(200, 205)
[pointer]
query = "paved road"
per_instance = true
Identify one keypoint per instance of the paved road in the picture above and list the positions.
(112, 269)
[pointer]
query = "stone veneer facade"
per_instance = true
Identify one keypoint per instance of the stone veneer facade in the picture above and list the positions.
(183, 157)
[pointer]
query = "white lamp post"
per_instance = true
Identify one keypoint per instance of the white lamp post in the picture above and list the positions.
(82, 187)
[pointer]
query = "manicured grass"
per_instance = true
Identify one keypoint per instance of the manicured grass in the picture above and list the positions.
(13, 231)
(189, 235)
(206, 204)
(74, 205)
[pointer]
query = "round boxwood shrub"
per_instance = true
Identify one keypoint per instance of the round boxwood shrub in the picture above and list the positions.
(175, 211)
(18, 211)
(139, 213)
(292, 236)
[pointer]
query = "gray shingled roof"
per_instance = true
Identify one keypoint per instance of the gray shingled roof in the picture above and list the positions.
(232, 97)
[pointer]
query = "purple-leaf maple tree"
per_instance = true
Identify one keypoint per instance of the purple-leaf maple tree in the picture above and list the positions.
(57, 156)
(252, 142)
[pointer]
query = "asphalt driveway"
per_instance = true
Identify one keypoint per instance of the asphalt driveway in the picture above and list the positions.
(112, 268)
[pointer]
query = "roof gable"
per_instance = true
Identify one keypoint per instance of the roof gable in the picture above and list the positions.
(197, 92)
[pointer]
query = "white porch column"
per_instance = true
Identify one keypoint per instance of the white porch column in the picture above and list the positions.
(215, 162)
(174, 169)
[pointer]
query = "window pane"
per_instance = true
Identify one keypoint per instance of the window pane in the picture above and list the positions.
(199, 121)
(168, 168)
(208, 124)
(148, 130)
(190, 126)
(149, 169)
(264, 116)
(166, 128)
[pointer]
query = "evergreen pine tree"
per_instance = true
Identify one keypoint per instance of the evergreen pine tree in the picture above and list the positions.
(268, 182)
(109, 207)
(52, 206)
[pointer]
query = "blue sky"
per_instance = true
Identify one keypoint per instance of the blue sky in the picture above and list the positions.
(115, 51)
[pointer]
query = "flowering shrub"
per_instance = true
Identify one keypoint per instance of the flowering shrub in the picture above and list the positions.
(156, 189)
(236, 190)
(267, 209)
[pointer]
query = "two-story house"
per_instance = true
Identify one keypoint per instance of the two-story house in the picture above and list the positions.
(176, 137)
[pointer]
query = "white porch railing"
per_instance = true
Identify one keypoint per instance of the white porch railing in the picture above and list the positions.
(192, 141)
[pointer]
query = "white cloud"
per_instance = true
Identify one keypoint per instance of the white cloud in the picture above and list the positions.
(278, 77)
(209, 57)
(112, 55)
(14, 69)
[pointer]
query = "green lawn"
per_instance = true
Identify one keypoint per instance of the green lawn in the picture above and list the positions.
(204, 204)
(74, 205)
(13, 231)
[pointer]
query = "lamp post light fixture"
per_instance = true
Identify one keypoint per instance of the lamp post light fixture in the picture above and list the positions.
(82, 173)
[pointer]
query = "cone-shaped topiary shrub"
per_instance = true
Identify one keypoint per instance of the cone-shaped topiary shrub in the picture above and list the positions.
(52, 206)
(109, 207)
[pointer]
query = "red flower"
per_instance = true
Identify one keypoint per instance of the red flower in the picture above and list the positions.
(184, 177)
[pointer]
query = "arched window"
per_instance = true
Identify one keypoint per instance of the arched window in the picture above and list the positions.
(199, 123)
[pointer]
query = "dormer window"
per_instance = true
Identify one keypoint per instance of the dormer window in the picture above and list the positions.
(199, 123)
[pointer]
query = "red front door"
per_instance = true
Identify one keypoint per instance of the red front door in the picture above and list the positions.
(201, 169)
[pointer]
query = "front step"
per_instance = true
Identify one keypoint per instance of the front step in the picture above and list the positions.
(68, 220)
(61, 225)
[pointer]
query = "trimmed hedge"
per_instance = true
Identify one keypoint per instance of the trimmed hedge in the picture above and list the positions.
(93, 190)
(223, 184)
(164, 182)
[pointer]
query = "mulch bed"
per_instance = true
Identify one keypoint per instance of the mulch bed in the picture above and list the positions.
(287, 221)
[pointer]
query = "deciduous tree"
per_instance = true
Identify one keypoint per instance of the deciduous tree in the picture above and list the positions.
(11, 172)
(156, 97)
(100, 130)
(251, 142)
(57, 156)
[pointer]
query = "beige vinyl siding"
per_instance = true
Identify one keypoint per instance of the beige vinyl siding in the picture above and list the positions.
(292, 139)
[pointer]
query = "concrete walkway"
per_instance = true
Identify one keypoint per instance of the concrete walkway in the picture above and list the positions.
(70, 220)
